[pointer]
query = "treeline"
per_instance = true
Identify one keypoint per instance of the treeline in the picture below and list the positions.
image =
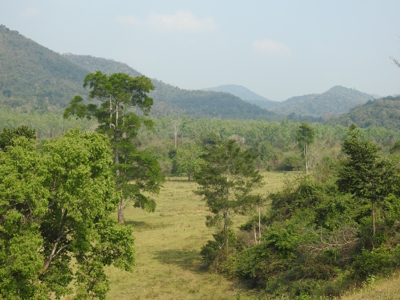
(46, 125)
(274, 143)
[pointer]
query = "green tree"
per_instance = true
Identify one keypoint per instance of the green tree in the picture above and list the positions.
(119, 94)
(364, 173)
(8, 136)
(56, 208)
(187, 159)
(305, 137)
(225, 180)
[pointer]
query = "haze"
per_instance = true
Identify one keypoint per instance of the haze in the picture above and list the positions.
(277, 49)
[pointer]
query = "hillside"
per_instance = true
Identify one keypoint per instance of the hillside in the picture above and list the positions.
(245, 94)
(169, 100)
(384, 112)
(32, 76)
(335, 101)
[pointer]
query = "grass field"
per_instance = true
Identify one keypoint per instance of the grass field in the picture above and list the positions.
(168, 243)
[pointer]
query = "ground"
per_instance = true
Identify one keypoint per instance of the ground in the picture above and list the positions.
(168, 244)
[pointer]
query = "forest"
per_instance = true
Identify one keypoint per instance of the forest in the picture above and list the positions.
(69, 183)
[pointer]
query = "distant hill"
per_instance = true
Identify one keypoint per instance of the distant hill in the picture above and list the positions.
(335, 101)
(34, 77)
(384, 112)
(92, 64)
(245, 94)
(169, 100)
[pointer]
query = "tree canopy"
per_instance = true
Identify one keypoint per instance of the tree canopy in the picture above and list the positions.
(56, 223)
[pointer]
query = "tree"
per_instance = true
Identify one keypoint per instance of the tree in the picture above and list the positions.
(119, 94)
(56, 207)
(364, 174)
(225, 180)
(187, 159)
(305, 137)
(8, 136)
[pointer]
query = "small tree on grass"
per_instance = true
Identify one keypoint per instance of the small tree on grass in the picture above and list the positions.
(364, 174)
(225, 180)
(305, 137)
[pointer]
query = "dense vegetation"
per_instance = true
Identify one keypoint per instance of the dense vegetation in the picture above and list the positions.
(323, 233)
(383, 112)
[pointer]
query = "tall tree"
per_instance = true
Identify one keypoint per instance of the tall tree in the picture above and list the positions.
(364, 174)
(56, 206)
(305, 137)
(225, 180)
(119, 94)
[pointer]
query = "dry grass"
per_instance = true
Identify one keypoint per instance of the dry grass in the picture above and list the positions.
(168, 243)
(384, 288)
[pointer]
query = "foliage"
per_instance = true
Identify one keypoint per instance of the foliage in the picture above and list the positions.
(55, 206)
(8, 136)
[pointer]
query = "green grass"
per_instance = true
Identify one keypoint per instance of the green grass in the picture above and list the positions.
(168, 243)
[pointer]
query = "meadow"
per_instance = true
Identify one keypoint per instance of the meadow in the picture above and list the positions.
(168, 243)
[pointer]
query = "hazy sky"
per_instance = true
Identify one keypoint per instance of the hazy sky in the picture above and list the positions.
(278, 49)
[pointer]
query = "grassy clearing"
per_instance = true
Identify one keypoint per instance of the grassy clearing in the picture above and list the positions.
(168, 243)
(383, 288)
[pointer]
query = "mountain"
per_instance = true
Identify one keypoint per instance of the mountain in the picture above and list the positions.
(169, 100)
(32, 76)
(245, 94)
(384, 112)
(335, 101)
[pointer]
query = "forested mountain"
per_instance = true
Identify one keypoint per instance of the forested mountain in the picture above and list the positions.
(92, 64)
(335, 101)
(32, 76)
(169, 100)
(245, 94)
(384, 112)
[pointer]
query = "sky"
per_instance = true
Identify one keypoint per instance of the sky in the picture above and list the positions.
(277, 49)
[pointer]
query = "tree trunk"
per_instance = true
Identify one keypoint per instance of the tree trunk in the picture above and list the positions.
(259, 224)
(305, 156)
(121, 212)
(188, 176)
(110, 112)
(255, 234)
(54, 251)
(373, 218)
